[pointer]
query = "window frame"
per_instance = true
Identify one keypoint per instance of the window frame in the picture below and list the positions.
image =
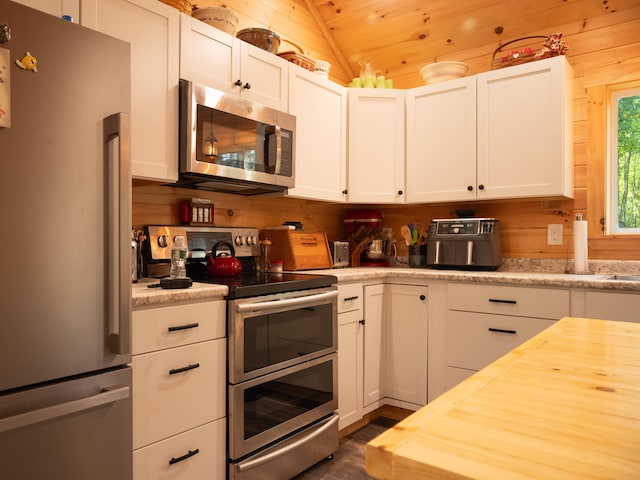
(614, 93)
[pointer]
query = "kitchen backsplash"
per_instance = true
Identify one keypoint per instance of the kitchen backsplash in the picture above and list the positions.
(524, 223)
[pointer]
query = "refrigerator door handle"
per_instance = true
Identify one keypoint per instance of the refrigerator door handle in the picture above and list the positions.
(118, 237)
(106, 396)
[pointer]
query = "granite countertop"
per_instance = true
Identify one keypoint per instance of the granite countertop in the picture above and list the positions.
(534, 272)
(142, 295)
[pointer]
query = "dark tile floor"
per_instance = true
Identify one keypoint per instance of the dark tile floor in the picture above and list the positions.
(348, 461)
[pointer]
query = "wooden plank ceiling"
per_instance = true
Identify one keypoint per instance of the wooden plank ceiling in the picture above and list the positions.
(400, 36)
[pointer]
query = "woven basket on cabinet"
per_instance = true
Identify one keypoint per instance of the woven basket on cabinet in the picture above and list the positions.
(184, 6)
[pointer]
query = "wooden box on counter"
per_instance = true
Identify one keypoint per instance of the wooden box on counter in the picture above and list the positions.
(299, 250)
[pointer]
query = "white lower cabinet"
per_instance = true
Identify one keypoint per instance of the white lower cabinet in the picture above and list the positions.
(613, 306)
(405, 333)
(179, 391)
(484, 322)
(373, 351)
(193, 454)
(350, 361)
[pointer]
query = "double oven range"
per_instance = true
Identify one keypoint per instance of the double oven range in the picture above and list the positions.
(282, 354)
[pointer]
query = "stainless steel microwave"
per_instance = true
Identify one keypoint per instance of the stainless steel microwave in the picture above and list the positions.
(229, 144)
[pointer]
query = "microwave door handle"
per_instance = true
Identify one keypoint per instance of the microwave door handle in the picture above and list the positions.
(289, 302)
(273, 133)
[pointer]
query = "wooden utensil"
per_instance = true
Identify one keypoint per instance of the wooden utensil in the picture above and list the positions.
(406, 234)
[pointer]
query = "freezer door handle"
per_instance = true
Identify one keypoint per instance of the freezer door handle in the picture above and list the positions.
(106, 396)
(118, 237)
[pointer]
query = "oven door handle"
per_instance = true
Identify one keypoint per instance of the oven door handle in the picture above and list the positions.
(289, 302)
(256, 462)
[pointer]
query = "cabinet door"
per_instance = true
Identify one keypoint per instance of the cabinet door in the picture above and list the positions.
(264, 77)
(349, 370)
(320, 107)
(152, 29)
(613, 306)
(208, 55)
(525, 130)
(441, 141)
(376, 146)
(373, 343)
(178, 389)
(57, 8)
(198, 454)
(406, 343)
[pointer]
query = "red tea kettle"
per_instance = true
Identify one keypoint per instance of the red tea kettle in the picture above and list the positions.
(222, 264)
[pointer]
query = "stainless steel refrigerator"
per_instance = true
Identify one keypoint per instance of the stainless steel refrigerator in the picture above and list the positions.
(65, 208)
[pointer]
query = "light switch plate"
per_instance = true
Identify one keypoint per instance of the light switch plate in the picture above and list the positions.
(554, 234)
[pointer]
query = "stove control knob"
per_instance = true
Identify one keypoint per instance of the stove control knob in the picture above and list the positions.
(456, 230)
(162, 241)
(251, 240)
(239, 240)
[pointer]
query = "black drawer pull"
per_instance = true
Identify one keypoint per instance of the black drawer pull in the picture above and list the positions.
(184, 327)
(190, 454)
(502, 330)
(349, 299)
(173, 371)
(497, 300)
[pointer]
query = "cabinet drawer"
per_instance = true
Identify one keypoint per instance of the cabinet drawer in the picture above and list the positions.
(177, 389)
(175, 325)
(350, 297)
(504, 300)
(198, 454)
(474, 340)
(613, 306)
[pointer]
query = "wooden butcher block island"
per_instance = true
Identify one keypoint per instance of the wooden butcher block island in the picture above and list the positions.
(564, 405)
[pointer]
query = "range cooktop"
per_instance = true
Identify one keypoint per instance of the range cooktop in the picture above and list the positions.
(253, 284)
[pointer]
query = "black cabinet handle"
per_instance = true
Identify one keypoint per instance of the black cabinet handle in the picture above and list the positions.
(190, 454)
(422, 297)
(480, 187)
(470, 187)
(497, 300)
(400, 192)
(246, 86)
(173, 371)
(238, 83)
(348, 299)
(501, 330)
(361, 322)
(345, 191)
(183, 327)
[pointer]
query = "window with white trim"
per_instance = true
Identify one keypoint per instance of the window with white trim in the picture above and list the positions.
(624, 161)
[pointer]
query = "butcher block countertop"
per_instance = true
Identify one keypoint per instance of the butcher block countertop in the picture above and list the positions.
(563, 405)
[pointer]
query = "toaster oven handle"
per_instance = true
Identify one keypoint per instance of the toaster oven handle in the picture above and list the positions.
(470, 252)
(285, 303)
(436, 260)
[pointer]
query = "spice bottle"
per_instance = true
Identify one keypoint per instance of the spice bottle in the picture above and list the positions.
(264, 262)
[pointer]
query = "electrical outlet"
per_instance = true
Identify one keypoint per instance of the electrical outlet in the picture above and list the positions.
(554, 234)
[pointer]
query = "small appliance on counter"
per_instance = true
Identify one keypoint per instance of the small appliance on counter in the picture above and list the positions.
(340, 254)
(464, 244)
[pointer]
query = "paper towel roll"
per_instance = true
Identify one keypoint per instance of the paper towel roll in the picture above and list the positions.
(580, 249)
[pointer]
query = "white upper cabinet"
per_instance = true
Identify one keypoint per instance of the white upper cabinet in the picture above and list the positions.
(55, 7)
(320, 107)
(375, 172)
(441, 141)
(525, 130)
(216, 59)
(497, 135)
(152, 29)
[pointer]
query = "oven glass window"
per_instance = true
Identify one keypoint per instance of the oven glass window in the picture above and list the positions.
(272, 403)
(273, 338)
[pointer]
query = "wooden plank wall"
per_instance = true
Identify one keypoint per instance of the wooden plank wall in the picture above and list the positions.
(604, 49)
